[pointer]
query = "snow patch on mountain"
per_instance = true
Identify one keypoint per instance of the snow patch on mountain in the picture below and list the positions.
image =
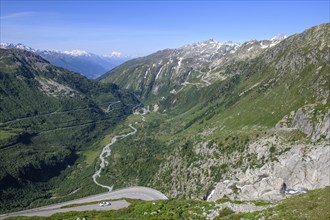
(279, 37)
(116, 54)
(210, 45)
(160, 70)
(80, 61)
(16, 46)
(77, 53)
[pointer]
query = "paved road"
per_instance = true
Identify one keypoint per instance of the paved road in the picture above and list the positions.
(137, 192)
(48, 212)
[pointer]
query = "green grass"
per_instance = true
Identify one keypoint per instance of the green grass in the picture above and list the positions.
(256, 202)
(175, 133)
(91, 155)
(312, 205)
(5, 134)
(168, 209)
(55, 139)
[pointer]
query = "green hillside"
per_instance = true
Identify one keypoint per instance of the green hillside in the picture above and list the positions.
(49, 118)
(201, 135)
(312, 205)
(223, 123)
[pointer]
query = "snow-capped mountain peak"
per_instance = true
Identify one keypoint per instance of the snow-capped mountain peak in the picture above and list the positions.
(210, 45)
(17, 46)
(3, 45)
(23, 47)
(114, 54)
(80, 61)
(232, 44)
(77, 53)
(279, 37)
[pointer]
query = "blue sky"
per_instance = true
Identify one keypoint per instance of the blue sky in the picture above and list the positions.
(141, 27)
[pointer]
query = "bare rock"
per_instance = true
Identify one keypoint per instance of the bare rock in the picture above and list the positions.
(302, 168)
(314, 123)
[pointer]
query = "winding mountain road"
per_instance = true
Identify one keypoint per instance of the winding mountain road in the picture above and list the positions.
(137, 192)
(143, 193)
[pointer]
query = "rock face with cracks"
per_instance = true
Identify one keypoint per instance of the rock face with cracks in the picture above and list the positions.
(309, 120)
(302, 168)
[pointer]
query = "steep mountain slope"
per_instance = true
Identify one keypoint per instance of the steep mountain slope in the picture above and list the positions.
(244, 122)
(199, 64)
(49, 117)
(85, 63)
(236, 126)
(159, 72)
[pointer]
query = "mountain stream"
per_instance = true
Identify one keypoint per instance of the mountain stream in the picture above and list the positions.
(106, 151)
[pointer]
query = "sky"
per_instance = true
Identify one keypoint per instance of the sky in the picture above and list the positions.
(138, 28)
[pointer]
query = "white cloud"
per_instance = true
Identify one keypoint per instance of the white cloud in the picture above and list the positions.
(17, 15)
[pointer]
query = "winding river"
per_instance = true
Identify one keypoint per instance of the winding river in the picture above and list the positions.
(106, 151)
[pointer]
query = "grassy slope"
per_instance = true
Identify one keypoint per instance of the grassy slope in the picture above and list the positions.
(312, 205)
(272, 89)
(43, 155)
(236, 119)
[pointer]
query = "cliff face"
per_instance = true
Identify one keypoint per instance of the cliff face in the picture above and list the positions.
(302, 168)
(295, 168)
(309, 119)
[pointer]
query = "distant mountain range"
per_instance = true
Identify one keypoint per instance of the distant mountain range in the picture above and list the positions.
(232, 116)
(43, 108)
(83, 62)
(219, 120)
(201, 64)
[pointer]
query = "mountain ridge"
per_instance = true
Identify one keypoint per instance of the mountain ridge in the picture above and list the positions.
(196, 63)
(83, 62)
(229, 121)
(247, 122)
(50, 117)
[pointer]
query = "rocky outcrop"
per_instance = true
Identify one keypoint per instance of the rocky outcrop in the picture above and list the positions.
(303, 167)
(315, 123)
(323, 128)
(246, 207)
